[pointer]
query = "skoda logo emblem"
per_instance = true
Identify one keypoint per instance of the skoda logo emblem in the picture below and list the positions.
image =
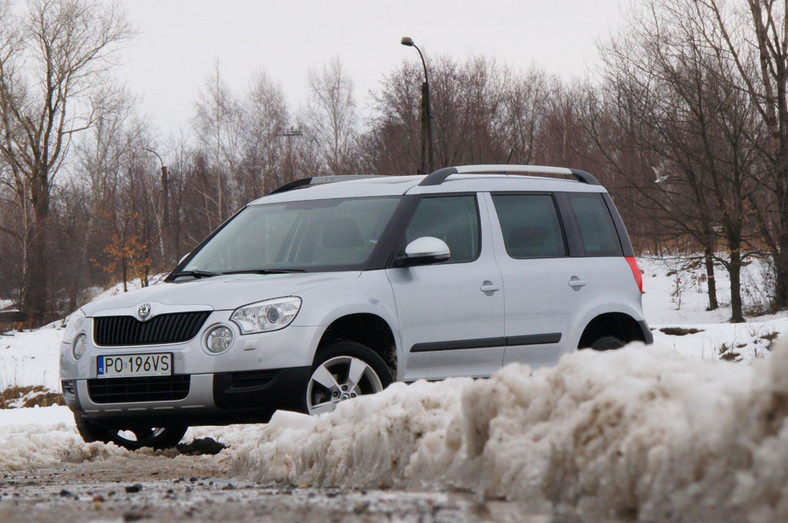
(144, 311)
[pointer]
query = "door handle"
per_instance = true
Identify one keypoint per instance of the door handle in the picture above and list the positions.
(489, 288)
(576, 283)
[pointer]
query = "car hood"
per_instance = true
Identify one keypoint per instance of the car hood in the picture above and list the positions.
(214, 293)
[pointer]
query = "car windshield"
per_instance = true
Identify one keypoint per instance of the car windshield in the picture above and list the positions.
(335, 234)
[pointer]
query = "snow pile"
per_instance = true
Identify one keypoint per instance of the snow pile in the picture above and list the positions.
(640, 432)
(365, 442)
(45, 436)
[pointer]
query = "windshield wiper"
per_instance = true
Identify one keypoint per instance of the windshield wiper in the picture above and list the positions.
(194, 274)
(264, 271)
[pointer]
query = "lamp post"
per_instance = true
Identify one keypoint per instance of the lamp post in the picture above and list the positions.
(165, 226)
(426, 115)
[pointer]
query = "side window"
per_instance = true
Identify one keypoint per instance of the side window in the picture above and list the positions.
(453, 219)
(597, 231)
(530, 225)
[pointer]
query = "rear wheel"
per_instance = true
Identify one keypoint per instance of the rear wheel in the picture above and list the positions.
(344, 370)
(132, 438)
(607, 343)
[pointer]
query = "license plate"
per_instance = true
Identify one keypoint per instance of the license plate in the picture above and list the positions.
(134, 365)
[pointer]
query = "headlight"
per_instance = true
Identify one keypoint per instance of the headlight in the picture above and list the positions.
(268, 315)
(80, 344)
(219, 339)
(73, 324)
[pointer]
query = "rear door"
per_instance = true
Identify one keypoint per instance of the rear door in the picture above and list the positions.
(451, 314)
(545, 289)
(599, 246)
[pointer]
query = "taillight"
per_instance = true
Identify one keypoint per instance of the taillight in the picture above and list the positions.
(633, 264)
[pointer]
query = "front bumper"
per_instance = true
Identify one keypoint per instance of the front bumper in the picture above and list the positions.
(257, 375)
(197, 399)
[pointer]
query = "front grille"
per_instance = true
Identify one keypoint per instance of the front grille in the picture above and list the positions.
(131, 390)
(110, 331)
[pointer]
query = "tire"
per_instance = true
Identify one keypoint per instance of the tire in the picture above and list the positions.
(344, 370)
(133, 438)
(607, 343)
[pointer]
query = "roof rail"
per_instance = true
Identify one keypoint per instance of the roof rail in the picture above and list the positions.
(439, 176)
(318, 180)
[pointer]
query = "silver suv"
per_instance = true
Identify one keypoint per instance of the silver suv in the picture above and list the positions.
(329, 288)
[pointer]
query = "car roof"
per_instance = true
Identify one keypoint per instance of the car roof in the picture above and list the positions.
(321, 188)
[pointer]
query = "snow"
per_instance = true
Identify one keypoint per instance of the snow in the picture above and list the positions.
(31, 358)
(675, 296)
(45, 436)
(97, 293)
(661, 432)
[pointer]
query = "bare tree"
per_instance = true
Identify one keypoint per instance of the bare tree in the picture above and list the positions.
(755, 38)
(467, 100)
(100, 155)
(219, 128)
(474, 116)
(391, 142)
(332, 117)
(265, 120)
(51, 58)
(698, 132)
(130, 226)
(525, 107)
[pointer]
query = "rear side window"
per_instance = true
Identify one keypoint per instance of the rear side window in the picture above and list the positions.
(530, 225)
(453, 219)
(597, 231)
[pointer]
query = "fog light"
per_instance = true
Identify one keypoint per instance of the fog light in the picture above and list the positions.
(219, 339)
(79, 346)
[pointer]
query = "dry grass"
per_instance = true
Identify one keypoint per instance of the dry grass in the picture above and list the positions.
(726, 353)
(25, 397)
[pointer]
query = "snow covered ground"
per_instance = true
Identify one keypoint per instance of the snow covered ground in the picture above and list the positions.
(660, 432)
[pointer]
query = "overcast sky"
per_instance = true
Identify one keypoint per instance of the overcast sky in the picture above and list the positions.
(179, 41)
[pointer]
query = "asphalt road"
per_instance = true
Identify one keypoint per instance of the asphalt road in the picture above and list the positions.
(158, 487)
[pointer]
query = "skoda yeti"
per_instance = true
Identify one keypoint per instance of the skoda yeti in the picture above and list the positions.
(329, 288)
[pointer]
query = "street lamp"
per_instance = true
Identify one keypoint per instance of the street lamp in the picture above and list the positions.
(165, 232)
(426, 115)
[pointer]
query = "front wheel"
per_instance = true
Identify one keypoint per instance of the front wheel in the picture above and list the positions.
(132, 438)
(344, 370)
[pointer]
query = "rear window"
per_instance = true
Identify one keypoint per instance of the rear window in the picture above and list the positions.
(530, 225)
(597, 231)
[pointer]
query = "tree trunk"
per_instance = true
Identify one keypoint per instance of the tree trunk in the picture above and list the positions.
(734, 269)
(35, 302)
(710, 281)
(124, 272)
(781, 256)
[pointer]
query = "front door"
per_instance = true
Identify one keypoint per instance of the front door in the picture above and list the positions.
(451, 313)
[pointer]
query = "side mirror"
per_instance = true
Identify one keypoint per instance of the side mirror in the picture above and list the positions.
(424, 251)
